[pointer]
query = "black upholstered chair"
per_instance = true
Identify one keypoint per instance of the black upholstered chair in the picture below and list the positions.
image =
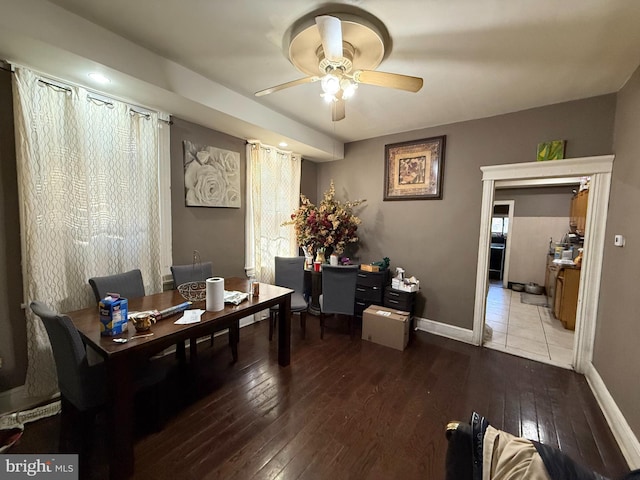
(338, 293)
(82, 386)
(128, 285)
(289, 273)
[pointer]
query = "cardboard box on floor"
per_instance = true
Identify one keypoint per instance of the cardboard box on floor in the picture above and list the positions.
(386, 326)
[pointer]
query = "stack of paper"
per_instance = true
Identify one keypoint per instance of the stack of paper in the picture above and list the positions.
(190, 316)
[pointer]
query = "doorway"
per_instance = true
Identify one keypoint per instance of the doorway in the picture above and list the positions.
(523, 322)
(547, 174)
(501, 222)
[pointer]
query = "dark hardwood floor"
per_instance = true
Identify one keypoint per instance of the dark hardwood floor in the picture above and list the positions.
(347, 409)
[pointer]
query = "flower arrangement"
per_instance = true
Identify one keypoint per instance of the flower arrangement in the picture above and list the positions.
(332, 224)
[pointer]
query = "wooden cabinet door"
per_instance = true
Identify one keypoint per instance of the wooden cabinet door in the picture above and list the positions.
(578, 212)
(582, 199)
(550, 283)
(569, 305)
(573, 218)
(557, 304)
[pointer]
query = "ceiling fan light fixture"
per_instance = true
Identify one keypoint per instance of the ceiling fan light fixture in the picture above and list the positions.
(330, 84)
(348, 88)
(329, 97)
(341, 50)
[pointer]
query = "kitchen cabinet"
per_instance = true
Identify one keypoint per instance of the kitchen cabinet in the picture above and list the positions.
(578, 212)
(565, 303)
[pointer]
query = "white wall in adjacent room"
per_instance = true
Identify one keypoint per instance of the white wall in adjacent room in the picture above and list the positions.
(530, 244)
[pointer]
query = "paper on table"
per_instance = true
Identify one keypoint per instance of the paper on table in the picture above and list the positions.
(190, 316)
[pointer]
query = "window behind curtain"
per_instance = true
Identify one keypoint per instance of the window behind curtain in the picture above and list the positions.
(88, 173)
(273, 193)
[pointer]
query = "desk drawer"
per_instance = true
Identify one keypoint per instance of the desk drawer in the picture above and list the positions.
(372, 294)
(372, 279)
(404, 305)
(399, 299)
(361, 305)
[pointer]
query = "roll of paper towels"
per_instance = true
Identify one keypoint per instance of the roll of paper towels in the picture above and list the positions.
(215, 294)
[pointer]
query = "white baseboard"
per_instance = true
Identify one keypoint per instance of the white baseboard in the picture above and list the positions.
(444, 330)
(627, 441)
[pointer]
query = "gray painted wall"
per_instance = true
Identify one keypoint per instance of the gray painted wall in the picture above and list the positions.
(309, 180)
(13, 340)
(217, 233)
(437, 240)
(618, 325)
(538, 202)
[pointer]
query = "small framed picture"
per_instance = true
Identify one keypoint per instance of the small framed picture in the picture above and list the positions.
(553, 150)
(414, 170)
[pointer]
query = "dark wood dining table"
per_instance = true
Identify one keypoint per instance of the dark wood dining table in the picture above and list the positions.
(121, 358)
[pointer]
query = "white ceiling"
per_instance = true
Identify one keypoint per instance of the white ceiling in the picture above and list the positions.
(202, 60)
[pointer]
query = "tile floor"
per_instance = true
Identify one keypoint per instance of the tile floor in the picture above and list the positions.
(526, 330)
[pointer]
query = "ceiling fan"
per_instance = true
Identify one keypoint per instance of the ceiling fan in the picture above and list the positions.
(341, 51)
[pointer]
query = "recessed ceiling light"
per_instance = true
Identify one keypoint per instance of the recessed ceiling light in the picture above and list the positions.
(98, 77)
(283, 144)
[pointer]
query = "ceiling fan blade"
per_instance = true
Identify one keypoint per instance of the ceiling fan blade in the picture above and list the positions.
(337, 109)
(282, 86)
(331, 35)
(390, 80)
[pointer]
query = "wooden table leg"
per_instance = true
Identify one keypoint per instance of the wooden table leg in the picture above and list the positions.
(120, 418)
(234, 338)
(193, 350)
(284, 332)
(180, 352)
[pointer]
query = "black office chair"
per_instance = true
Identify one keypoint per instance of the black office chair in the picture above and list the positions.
(83, 386)
(290, 274)
(338, 293)
(128, 285)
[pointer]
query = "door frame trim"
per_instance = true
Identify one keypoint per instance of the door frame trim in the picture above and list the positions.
(599, 168)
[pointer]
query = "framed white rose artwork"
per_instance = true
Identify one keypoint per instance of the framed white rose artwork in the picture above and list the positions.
(211, 176)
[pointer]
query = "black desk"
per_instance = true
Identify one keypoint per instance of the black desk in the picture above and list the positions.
(313, 288)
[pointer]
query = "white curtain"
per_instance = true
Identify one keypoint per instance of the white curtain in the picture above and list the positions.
(273, 194)
(88, 186)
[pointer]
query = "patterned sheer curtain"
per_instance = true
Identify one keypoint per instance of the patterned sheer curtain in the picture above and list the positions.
(89, 195)
(273, 193)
